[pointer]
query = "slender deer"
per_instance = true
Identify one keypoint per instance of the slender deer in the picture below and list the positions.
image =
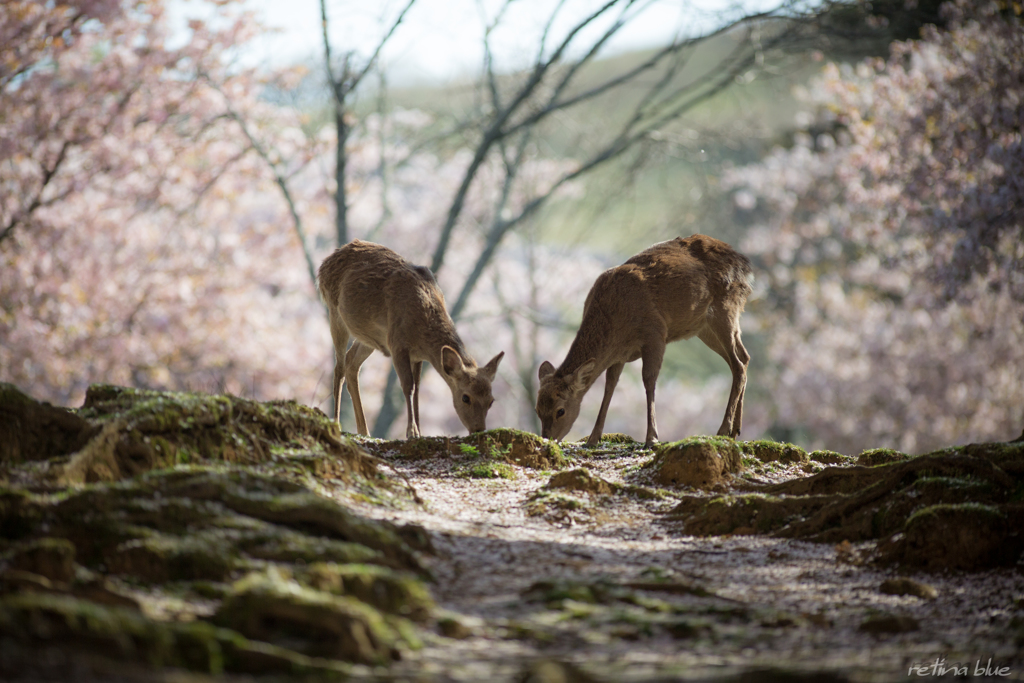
(388, 304)
(673, 290)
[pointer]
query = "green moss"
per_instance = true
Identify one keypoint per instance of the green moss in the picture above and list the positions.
(271, 606)
(616, 437)
(160, 558)
(398, 593)
(143, 430)
(491, 470)
(519, 447)
(53, 558)
(880, 456)
(977, 511)
(718, 442)
(827, 457)
(544, 501)
(767, 450)
(128, 635)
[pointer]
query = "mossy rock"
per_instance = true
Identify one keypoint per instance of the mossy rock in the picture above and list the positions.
(618, 437)
(766, 450)
(160, 558)
(394, 592)
(134, 431)
(519, 448)
(699, 462)
(53, 558)
(753, 513)
(490, 469)
(420, 448)
(120, 634)
(827, 457)
(968, 537)
(32, 430)
(580, 479)
(543, 503)
(273, 607)
(285, 545)
(880, 456)
(509, 445)
(1008, 456)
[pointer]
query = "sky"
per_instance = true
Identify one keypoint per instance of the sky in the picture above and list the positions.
(441, 39)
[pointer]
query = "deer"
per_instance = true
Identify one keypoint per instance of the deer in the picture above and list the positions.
(673, 290)
(384, 303)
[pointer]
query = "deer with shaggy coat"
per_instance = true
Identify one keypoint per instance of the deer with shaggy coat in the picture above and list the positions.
(390, 305)
(673, 290)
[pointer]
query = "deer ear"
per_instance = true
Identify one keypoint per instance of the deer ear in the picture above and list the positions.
(491, 369)
(581, 378)
(451, 361)
(546, 370)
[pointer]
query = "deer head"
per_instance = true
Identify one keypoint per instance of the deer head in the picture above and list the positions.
(559, 398)
(470, 386)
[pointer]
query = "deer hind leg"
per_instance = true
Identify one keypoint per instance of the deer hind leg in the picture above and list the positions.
(353, 360)
(611, 378)
(417, 372)
(651, 355)
(340, 337)
(722, 335)
(404, 370)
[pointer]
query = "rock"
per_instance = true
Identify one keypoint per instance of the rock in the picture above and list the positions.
(904, 586)
(699, 462)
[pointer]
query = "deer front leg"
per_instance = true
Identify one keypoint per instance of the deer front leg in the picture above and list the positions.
(340, 337)
(611, 378)
(651, 356)
(353, 360)
(403, 367)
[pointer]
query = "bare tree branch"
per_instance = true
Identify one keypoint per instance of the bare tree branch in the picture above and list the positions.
(342, 86)
(279, 179)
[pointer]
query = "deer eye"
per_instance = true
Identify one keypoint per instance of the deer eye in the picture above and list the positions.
(560, 413)
(465, 398)
(491, 403)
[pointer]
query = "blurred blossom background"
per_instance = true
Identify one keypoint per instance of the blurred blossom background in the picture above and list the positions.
(173, 172)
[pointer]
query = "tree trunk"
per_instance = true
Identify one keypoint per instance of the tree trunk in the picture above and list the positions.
(340, 170)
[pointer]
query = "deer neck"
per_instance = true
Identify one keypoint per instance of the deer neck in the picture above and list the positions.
(433, 352)
(591, 342)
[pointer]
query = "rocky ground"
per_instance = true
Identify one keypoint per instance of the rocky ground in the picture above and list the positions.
(174, 537)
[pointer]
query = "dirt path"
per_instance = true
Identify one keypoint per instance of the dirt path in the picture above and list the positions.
(600, 582)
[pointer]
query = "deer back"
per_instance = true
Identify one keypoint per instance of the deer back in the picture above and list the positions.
(687, 280)
(383, 300)
(669, 290)
(388, 303)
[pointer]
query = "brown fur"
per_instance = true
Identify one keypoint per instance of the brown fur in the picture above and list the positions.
(389, 305)
(673, 290)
